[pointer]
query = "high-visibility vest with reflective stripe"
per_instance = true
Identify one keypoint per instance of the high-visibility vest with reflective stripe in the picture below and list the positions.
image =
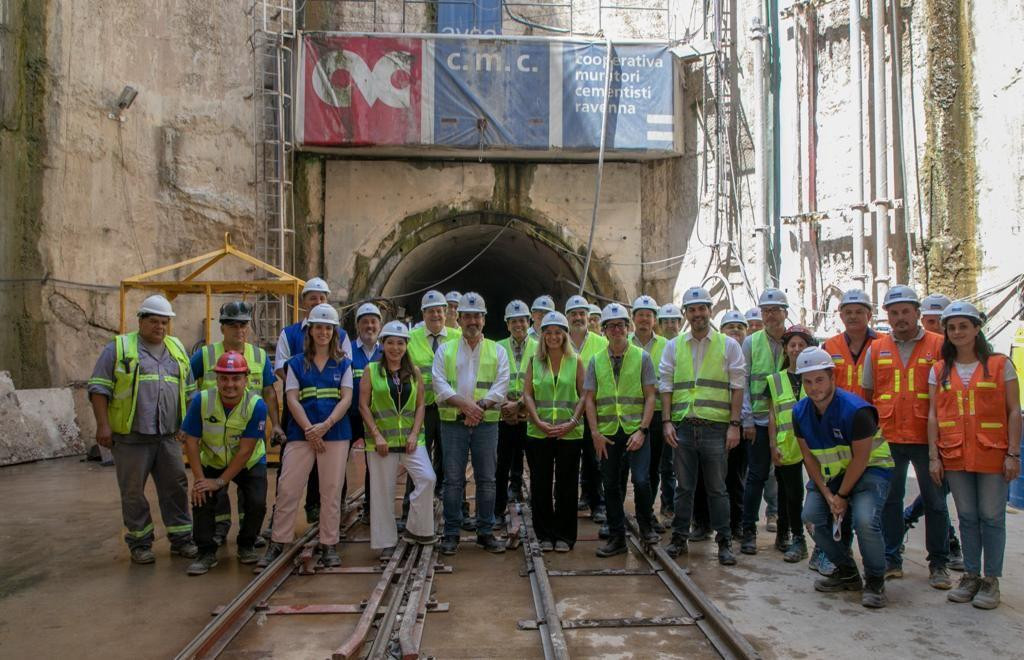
(319, 393)
(517, 370)
(222, 432)
(901, 392)
(829, 438)
(555, 400)
(593, 344)
(973, 426)
(394, 424)
(125, 386)
(848, 371)
(783, 400)
(255, 357)
(422, 355)
(486, 374)
(705, 395)
(762, 365)
(619, 401)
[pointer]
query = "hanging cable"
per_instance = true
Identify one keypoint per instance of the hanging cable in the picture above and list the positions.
(600, 163)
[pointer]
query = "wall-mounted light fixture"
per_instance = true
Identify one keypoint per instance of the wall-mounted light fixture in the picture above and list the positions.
(124, 101)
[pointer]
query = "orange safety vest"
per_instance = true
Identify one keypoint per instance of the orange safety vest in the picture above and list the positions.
(973, 430)
(848, 372)
(901, 391)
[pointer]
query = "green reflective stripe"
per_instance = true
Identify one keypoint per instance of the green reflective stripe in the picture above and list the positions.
(707, 403)
(357, 373)
(604, 401)
(148, 529)
(151, 377)
(484, 384)
(179, 529)
(786, 406)
(717, 384)
(101, 381)
(704, 395)
(684, 385)
(319, 393)
(788, 426)
(222, 517)
(385, 414)
(553, 404)
(838, 454)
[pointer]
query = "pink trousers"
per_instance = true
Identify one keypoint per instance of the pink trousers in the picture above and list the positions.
(296, 462)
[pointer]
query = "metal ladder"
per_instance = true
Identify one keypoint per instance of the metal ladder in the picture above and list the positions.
(722, 39)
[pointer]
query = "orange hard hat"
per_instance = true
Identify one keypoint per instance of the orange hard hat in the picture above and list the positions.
(232, 362)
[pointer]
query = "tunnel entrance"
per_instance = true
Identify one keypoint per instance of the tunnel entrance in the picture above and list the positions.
(507, 263)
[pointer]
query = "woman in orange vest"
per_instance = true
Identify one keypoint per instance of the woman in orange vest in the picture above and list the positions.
(974, 430)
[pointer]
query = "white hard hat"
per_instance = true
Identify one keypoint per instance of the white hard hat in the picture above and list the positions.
(645, 302)
(613, 312)
(901, 293)
(543, 303)
(733, 316)
(855, 297)
(453, 296)
(934, 304)
(695, 295)
(961, 308)
(516, 309)
(394, 329)
(753, 314)
(595, 309)
(156, 305)
(432, 298)
(368, 308)
(555, 318)
(577, 302)
(472, 302)
(773, 296)
(669, 311)
(323, 313)
(317, 284)
(813, 359)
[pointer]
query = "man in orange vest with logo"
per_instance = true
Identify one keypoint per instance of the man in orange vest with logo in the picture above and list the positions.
(850, 347)
(895, 380)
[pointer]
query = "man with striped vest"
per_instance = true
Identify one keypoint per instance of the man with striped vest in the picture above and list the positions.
(470, 380)
(138, 391)
(849, 463)
(895, 380)
(702, 380)
(519, 347)
(849, 348)
(645, 311)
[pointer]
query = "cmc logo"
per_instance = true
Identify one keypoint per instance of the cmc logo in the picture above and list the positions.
(388, 81)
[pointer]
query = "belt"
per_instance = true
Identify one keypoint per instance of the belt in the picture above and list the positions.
(697, 421)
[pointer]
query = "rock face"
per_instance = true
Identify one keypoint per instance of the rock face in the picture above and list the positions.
(36, 424)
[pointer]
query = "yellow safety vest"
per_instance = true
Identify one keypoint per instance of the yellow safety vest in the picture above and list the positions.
(422, 355)
(705, 395)
(486, 374)
(395, 425)
(255, 357)
(762, 365)
(619, 402)
(555, 398)
(222, 432)
(783, 400)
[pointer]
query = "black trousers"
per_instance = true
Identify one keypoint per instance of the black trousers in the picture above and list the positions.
(619, 464)
(735, 475)
(252, 488)
(511, 447)
(791, 498)
(554, 474)
(657, 439)
(591, 484)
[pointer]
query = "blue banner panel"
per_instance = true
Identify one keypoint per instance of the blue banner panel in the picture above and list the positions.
(469, 16)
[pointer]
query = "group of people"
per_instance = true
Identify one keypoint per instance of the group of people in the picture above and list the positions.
(593, 398)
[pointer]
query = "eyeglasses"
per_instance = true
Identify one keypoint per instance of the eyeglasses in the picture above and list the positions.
(615, 325)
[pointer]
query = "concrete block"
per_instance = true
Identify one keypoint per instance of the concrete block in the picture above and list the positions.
(36, 424)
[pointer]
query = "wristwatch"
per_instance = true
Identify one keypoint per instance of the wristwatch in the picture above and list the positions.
(734, 422)
(645, 429)
(220, 482)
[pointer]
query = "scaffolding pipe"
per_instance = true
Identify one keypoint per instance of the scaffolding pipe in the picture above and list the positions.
(857, 97)
(881, 147)
(757, 33)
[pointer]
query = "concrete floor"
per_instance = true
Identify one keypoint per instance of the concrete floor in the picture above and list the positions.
(67, 588)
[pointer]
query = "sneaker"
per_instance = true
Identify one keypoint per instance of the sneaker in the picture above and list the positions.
(490, 543)
(842, 580)
(143, 554)
(815, 561)
(313, 515)
(449, 545)
(604, 532)
(656, 525)
(260, 542)
(202, 564)
(387, 553)
(893, 571)
(677, 546)
(218, 540)
(956, 555)
(874, 593)
(614, 546)
(725, 555)
(667, 511)
(582, 505)
(797, 551)
(499, 521)
(966, 590)
(562, 546)
(938, 578)
(650, 536)
(825, 566)
(546, 546)
(599, 515)
(247, 555)
(987, 597)
(469, 524)
(782, 541)
(329, 556)
(188, 550)
(274, 551)
(419, 539)
(773, 524)
(700, 533)
(748, 542)
(266, 534)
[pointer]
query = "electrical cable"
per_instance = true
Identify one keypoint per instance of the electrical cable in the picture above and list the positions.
(54, 280)
(600, 163)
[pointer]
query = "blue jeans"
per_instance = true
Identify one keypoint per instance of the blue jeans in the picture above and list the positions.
(701, 445)
(759, 465)
(936, 516)
(865, 516)
(614, 469)
(981, 506)
(460, 442)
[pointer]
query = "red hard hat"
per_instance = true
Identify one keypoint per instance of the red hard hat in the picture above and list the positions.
(232, 362)
(801, 330)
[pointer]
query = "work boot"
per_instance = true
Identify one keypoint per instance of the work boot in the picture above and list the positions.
(387, 553)
(616, 545)
(202, 565)
(725, 555)
(312, 515)
(449, 544)
(748, 542)
(966, 590)
(604, 532)
(329, 556)
(677, 546)
(987, 597)
(650, 536)
(700, 532)
(656, 525)
(247, 555)
(218, 540)
(274, 551)
(490, 543)
(143, 554)
(667, 510)
(938, 578)
(874, 593)
(783, 540)
(599, 515)
(772, 524)
(546, 546)
(188, 550)
(844, 579)
(956, 555)
(797, 551)
(893, 571)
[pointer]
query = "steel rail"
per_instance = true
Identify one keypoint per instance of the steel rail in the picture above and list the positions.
(416, 606)
(386, 625)
(549, 625)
